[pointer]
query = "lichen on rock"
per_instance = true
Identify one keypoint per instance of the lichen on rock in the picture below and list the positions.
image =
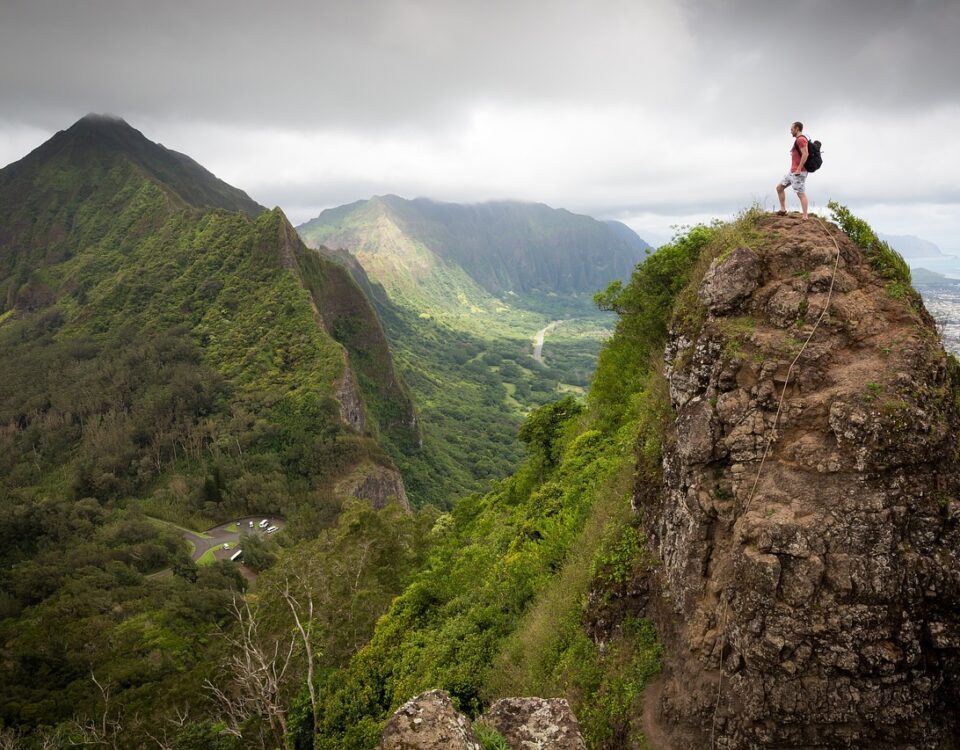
(429, 722)
(536, 723)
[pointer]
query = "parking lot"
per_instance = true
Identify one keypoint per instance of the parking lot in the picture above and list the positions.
(210, 545)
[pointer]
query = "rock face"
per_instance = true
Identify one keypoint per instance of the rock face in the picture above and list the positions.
(729, 282)
(377, 484)
(823, 609)
(428, 722)
(348, 395)
(536, 724)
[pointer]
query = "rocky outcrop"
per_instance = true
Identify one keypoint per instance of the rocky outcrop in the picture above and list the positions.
(536, 724)
(822, 608)
(731, 281)
(377, 484)
(348, 395)
(429, 722)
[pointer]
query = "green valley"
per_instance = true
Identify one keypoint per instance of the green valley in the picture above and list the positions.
(175, 356)
(462, 291)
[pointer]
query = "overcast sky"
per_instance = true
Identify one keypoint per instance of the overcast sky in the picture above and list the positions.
(655, 112)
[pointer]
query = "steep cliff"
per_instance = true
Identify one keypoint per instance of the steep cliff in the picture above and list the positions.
(813, 600)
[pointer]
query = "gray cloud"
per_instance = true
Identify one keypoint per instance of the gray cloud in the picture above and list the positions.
(820, 54)
(380, 63)
(659, 109)
(370, 63)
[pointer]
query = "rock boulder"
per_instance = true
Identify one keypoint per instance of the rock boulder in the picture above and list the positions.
(429, 722)
(536, 724)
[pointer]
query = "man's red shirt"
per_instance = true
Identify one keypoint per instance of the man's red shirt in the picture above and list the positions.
(795, 152)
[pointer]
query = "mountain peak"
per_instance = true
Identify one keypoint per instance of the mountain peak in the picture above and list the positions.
(104, 131)
(96, 140)
(100, 119)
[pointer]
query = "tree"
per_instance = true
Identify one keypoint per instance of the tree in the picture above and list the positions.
(255, 676)
(543, 429)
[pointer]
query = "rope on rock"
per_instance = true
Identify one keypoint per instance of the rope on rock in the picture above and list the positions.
(763, 458)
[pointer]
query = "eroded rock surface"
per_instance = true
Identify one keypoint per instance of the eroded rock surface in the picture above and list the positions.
(536, 724)
(831, 594)
(351, 404)
(429, 722)
(730, 280)
(377, 484)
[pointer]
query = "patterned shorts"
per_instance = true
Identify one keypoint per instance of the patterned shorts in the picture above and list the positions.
(798, 181)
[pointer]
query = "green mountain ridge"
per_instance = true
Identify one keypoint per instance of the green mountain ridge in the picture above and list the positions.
(502, 246)
(169, 348)
(53, 201)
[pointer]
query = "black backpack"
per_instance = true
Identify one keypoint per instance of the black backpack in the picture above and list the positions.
(814, 160)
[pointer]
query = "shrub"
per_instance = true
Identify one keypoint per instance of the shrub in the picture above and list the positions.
(885, 260)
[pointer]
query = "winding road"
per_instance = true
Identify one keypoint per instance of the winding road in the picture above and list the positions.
(538, 341)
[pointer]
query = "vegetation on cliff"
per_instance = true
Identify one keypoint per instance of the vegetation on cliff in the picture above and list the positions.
(521, 593)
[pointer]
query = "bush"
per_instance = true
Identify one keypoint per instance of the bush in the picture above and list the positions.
(885, 260)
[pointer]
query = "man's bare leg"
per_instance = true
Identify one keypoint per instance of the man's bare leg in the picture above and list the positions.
(782, 197)
(803, 203)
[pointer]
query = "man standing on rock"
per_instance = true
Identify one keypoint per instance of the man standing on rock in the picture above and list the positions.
(797, 176)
